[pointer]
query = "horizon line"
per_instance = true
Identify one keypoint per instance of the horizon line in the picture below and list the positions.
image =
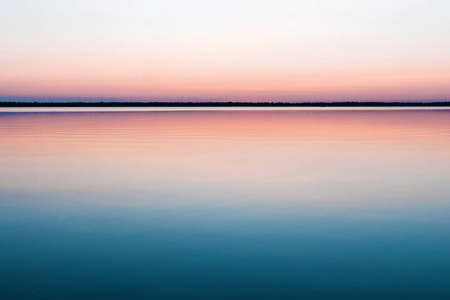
(445, 103)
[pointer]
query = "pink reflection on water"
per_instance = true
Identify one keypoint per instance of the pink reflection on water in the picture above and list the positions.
(303, 154)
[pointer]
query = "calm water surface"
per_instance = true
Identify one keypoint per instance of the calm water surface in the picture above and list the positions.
(225, 204)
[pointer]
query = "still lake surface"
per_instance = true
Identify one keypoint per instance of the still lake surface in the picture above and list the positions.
(225, 204)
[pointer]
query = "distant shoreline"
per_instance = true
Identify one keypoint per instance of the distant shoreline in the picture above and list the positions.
(225, 104)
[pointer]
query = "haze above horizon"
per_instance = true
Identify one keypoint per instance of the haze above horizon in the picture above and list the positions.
(225, 51)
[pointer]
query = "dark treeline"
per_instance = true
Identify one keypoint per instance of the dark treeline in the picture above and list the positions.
(225, 104)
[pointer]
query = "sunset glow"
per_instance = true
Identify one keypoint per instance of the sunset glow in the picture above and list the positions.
(234, 50)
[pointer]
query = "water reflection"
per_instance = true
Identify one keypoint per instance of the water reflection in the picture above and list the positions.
(225, 204)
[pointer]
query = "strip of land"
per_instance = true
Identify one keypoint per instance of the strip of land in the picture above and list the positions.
(226, 104)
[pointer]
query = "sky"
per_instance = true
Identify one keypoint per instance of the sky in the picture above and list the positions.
(246, 50)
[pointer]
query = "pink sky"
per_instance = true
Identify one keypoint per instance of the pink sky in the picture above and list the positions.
(239, 51)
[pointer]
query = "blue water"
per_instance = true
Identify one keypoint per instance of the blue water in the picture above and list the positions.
(225, 205)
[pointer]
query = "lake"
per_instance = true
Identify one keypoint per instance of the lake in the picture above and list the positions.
(224, 203)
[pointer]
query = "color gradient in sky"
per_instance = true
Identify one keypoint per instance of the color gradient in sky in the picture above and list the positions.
(246, 50)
